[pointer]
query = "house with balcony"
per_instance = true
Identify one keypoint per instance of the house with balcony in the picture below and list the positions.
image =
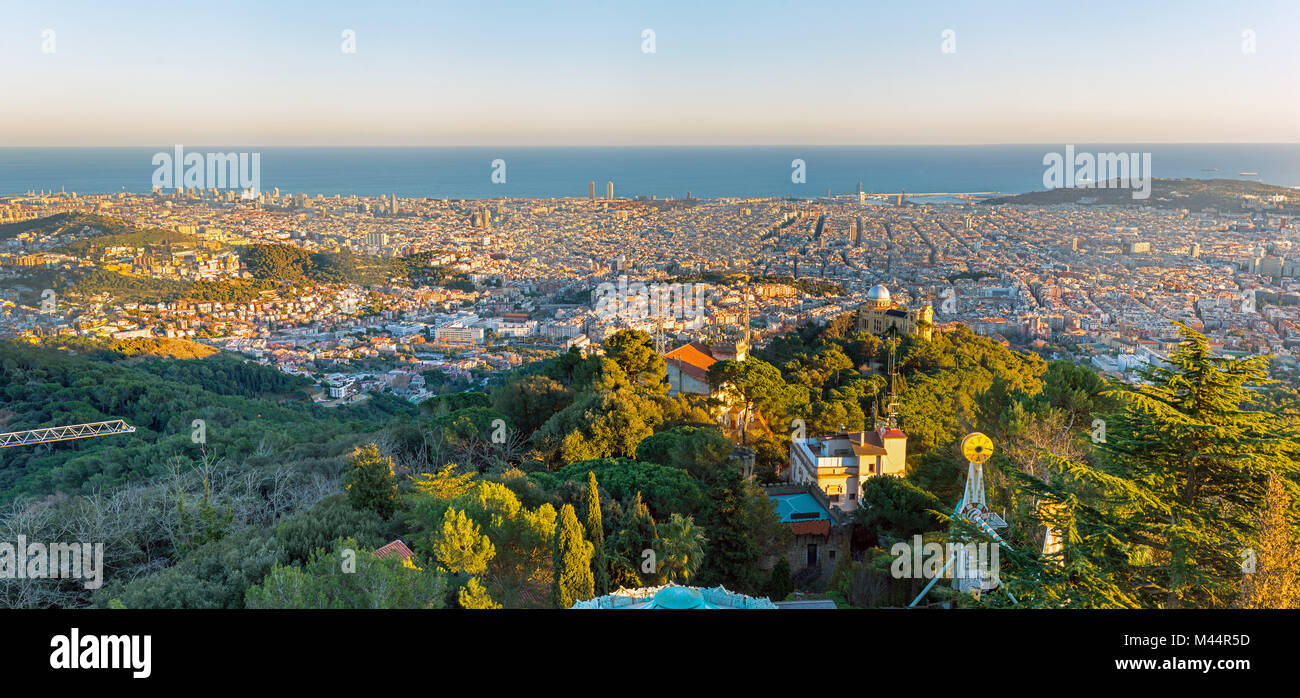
(839, 464)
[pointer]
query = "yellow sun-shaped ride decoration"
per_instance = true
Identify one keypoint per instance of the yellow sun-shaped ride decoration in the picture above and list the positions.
(976, 447)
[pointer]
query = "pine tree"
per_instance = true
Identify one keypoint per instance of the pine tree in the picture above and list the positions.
(572, 580)
(1272, 569)
(1162, 518)
(1096, 569)
(474, 596)
(460, 546)
(596, 534)
(1199, 460)
(371, 482)
(447, 484)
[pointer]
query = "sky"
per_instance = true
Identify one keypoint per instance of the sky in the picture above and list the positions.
(745, 72)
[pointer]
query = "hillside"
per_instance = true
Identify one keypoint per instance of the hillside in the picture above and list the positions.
(1192, 194)
(481, 487)
(104, 231)
(243, 405)
(87, 236)
(296, 265)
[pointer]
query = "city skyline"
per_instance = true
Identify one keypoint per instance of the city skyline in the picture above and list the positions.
(541, 306)
(770, 73)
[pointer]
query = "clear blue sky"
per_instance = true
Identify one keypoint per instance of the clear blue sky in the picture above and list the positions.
(541, 72)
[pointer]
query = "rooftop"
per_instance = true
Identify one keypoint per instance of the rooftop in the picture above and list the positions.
(694, 359)
(396, 548)
(674, 597)
(799, 507)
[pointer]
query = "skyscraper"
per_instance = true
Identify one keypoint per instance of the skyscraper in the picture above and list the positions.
(609, 190)
(591, 190)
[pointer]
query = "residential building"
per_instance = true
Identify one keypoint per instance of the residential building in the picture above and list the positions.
(839, 464)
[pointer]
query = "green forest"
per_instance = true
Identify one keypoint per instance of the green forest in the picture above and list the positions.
(1189, 193)
(559, 484)
(296, 265)
(80, 224)
(272, 266)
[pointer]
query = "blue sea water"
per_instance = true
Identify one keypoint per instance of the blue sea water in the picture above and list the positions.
(705, 172)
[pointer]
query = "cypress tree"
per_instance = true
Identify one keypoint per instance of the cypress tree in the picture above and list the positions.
(572, 580)
(596, 535)
(633, 536)
(733, 550)
(780, 584)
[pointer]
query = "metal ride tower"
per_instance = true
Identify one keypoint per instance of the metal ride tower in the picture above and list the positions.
(972, 507)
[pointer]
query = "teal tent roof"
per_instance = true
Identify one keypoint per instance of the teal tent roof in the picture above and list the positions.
(678, 598)
(674, 597)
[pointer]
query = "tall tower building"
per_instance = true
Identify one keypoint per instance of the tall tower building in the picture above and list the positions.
(591, 190)
(609, 190)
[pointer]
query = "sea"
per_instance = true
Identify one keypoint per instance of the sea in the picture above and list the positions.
(663, 172)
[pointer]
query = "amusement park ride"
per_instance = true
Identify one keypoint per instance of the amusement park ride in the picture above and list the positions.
(73, 431)
(972, 508)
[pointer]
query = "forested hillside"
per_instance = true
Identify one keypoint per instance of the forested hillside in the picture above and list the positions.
(562, 482)
(296, 265)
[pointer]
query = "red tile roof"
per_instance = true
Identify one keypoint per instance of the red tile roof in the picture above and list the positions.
(868, 439)
(693, 359)
(397, 547)
(813, 528)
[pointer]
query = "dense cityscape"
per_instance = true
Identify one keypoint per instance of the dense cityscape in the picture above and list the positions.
(378, 340)
(1101, 285)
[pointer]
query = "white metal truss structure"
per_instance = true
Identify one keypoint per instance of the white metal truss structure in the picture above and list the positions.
(973, 508)
(74, 431)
